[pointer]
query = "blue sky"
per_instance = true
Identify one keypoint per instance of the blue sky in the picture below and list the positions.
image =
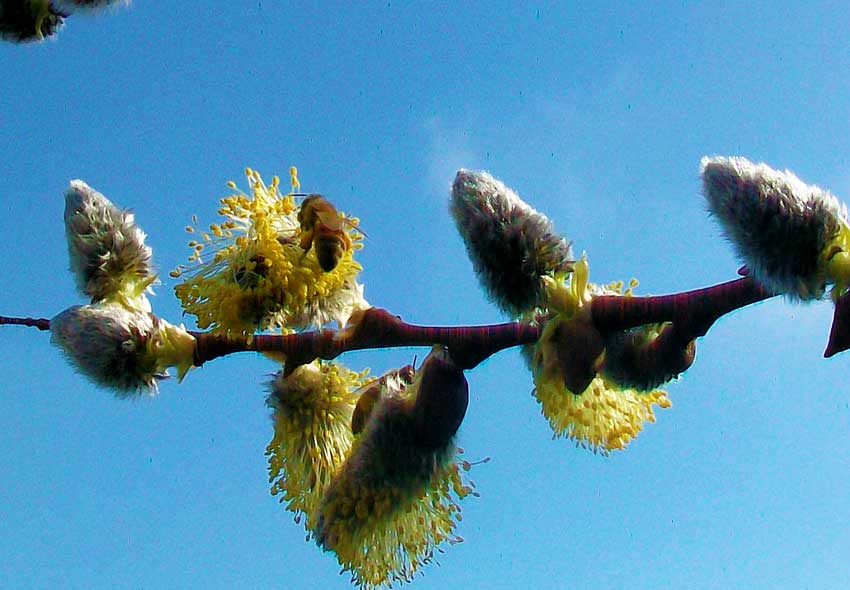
(597, 115)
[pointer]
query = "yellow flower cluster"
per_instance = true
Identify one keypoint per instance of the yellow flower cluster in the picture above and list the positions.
(569, 291)
(312, 432)
(393, 502)
(386, 533)
(605, 416)
(378, 499)
(259, 276)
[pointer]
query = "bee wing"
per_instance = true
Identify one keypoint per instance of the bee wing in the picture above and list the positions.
(330, 219)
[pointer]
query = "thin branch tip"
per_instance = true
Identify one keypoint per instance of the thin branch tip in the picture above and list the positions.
(42, 324)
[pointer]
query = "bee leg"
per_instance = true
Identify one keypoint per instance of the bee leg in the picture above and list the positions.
(306, 239)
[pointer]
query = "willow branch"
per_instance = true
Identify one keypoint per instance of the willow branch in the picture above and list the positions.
(691, 314)
(377, 328)
(42, 324)
(692, 311)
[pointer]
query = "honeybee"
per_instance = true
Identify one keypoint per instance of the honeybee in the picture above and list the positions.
(323, 228)
(370, 394)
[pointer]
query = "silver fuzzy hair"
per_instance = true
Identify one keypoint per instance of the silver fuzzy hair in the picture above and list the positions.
(106, 343)
(105, 246)
(510, 244)
(338, 306)
(778, 225)
(19, 19)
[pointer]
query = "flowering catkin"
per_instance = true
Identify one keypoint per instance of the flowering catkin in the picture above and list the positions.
(394, 501)
(783, 229)
(258, 276)
(313, 409)
(599, 414)
(580, 401)
(22, 21)
(511, 245)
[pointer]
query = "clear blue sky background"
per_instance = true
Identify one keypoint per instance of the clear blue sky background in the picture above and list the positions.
(597, 115)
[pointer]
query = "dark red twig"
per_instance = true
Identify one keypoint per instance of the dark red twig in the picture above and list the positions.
(692, 311)
(377, 328)
(839, 334)
(42, 324)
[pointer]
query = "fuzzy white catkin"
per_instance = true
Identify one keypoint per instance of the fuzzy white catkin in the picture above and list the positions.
(23, 21)
(107, 344)
(511, 245)
(778, 225)
(107, 250)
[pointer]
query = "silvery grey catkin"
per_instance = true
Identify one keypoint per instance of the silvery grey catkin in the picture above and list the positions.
(511, 245)
(106, 248)
(778, 225)
(109, 344)
(22, 21)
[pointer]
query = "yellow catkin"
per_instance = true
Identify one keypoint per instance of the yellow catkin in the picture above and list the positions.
(605, 416)
(259, 277)
(385, 516)
(312, 410)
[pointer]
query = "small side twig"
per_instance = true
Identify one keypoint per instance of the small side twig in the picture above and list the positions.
(42, 324)
(839, 333)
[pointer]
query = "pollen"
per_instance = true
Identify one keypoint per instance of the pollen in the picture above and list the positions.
(259, 277)
(606, 415)
(393, 504)
(293, 179)
(312, 435)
